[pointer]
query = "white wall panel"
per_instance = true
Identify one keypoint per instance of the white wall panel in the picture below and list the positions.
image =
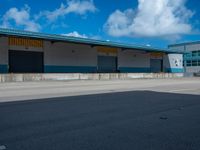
(129, 58)
(23, 48)
(69, 54)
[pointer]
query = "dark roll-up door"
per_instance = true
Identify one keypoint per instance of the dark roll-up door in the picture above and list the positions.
(25, 62)
(156, 65)
(107, 64)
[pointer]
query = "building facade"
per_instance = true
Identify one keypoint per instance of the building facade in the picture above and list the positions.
(29, 52)
(191, 56)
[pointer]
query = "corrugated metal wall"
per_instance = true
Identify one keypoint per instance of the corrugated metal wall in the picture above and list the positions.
(15, 41)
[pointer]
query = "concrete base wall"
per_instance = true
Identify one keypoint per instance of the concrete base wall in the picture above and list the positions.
(78, 76)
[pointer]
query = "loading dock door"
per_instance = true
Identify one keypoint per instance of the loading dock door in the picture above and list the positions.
(25, 62)
(107, 64)
(156, 65)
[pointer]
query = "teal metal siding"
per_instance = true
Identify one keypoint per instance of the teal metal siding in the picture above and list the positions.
(174, 70)
(3, 68)
(134, 70)
(69, 69)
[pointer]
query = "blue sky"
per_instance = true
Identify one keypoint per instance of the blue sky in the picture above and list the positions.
(147, 22)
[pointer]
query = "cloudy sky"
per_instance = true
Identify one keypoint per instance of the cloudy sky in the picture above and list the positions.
(147, 22)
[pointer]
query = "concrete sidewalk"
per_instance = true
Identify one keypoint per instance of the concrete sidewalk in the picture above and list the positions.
(48, 89)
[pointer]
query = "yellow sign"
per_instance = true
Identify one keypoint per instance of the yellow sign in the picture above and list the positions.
(156, 54)
(15, 41)
(102, 49)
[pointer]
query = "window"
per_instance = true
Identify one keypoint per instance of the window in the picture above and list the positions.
(189, 63)
(188, 55)
(192, 58)
(194, 63)
(199, 53)
(194, 53)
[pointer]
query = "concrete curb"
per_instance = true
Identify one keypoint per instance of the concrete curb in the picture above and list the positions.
(81, 76)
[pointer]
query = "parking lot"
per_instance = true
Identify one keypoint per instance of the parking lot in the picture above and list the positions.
(92, 115)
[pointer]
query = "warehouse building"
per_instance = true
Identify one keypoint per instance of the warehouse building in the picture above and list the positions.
(191, 57)
(30, 52)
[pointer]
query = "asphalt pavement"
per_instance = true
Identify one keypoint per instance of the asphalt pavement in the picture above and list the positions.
(140, 120)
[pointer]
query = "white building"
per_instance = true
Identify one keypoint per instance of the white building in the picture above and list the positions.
(30, 52)
(191, 55)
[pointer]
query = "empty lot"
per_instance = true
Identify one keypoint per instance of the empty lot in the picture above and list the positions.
(101, 115)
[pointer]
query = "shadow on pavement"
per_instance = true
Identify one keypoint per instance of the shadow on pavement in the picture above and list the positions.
(119, 121)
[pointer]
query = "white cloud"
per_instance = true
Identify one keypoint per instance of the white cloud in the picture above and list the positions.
(75, 34)
(20, 18)
(152, 18)
(80, 7)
